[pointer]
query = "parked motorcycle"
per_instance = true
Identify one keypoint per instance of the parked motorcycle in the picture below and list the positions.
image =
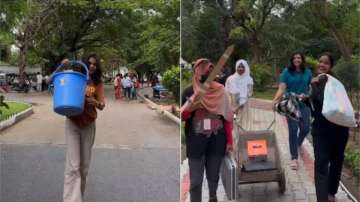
(22, 88)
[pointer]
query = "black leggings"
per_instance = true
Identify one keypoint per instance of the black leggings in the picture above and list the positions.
(205, 153)
(212, 165)
(329, 146)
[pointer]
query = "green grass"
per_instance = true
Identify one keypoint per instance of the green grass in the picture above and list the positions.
(267, 94)
(14, 107)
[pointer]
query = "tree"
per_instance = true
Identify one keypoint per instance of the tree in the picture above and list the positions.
(171, 80)
(79, 28)
(159, 37)
(338, 17)
(35, 20)
(205, 28)
(250, 18)
(139, 33)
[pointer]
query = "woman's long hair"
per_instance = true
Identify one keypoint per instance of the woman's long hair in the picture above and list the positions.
(292, 67)
(96, 77)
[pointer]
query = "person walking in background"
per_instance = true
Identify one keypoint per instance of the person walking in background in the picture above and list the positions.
(39, 81)
(135, 86)
(239, 86)
(80, 134)
(122, 85)
(25, 82)
(329, 139)
(144, 80)
(117, 86)
(127, 84)
(295, 79)
(159, 77)
(43, 83)
(154, 80)
(208, 129)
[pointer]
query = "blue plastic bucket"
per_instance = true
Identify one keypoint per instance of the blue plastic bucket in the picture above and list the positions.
(69, 90)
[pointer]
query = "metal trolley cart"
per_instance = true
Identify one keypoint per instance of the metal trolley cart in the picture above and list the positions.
(256, 160)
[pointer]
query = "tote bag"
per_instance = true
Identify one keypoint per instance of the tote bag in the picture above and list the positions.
(337, 107)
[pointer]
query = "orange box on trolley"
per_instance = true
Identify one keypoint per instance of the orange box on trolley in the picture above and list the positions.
(257, 148)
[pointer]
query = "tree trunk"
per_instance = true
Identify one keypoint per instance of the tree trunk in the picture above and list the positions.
(23, 58)
(343, 45)
(255, 50)
(225, 29)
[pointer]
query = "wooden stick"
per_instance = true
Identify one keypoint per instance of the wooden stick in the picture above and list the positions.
(219, 65)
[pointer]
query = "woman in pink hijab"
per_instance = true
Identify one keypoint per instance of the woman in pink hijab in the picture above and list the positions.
(208, 118)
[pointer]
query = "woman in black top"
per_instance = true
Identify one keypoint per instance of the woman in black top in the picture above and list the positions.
(329, 139)
(208, 129)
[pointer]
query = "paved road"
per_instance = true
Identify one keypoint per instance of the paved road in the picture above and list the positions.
(135, 158)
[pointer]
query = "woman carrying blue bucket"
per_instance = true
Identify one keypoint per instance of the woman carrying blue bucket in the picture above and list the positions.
(79, 124)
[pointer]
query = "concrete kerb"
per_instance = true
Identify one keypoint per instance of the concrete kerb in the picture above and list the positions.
(161, 111)
(16, 117)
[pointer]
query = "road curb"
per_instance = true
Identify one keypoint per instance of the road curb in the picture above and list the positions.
(16, 118)
(161, 111)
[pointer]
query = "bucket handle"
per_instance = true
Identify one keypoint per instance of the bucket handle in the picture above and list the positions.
(72, 62)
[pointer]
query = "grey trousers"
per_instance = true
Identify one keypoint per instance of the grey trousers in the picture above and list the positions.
(212, 165)
(79, 143)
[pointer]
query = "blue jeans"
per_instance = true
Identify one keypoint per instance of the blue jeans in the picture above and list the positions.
(133, 93)
(128, 92)
(298, 131)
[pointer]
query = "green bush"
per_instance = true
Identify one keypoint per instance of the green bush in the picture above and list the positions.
(262, 76)
(186, 76)
(171, 80)
(312, 64)
(348, 73)
(352, 159)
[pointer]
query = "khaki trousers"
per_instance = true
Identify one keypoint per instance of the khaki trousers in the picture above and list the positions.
(79, 143)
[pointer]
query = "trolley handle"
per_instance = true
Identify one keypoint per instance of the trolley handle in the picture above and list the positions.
(268, 128)
(273, 121)
(73, 62)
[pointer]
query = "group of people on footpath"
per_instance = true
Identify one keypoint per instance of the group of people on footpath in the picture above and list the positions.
(41, 84)
(209, 115)
(329, 138)
(37, 81)
(126, 86)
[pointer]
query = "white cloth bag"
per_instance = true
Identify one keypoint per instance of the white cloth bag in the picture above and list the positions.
(337, 107)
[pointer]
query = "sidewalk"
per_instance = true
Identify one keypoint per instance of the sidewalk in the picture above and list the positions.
(299, 184)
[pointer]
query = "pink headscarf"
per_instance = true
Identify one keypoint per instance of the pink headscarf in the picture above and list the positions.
(215, 99)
